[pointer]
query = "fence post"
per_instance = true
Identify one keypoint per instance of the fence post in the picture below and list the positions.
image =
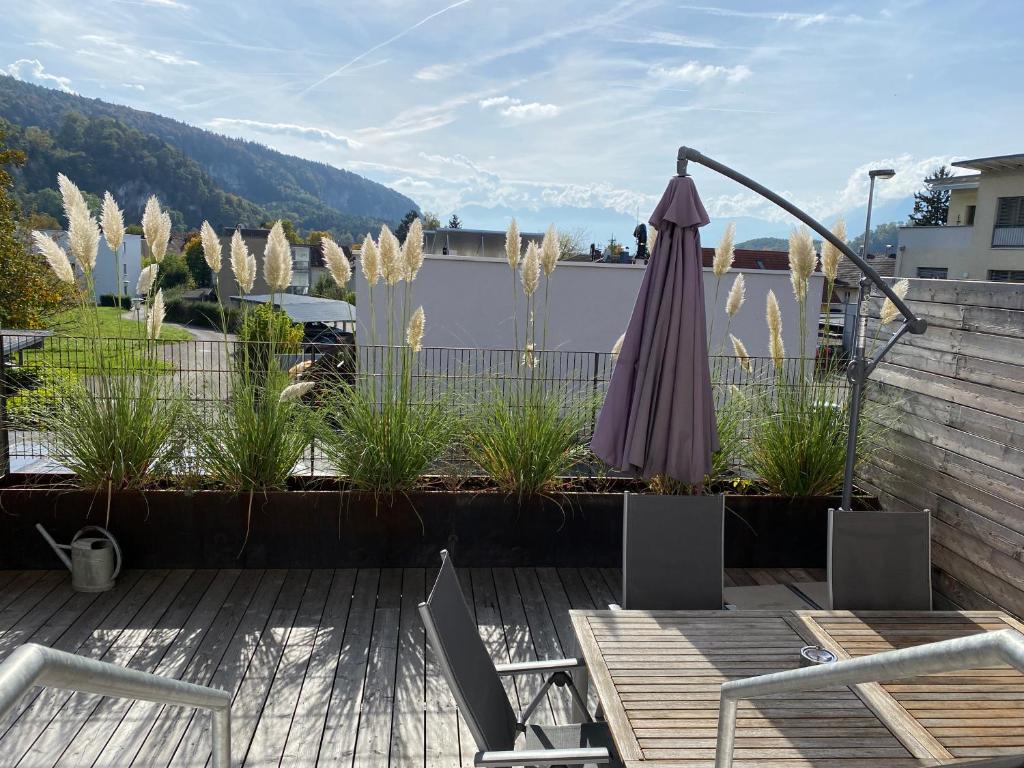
(593, 418)
(5, 441)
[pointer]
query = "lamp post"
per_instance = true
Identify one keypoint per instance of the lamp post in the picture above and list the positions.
(856, 372)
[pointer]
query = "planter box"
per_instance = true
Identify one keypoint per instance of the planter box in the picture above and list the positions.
(327, 529)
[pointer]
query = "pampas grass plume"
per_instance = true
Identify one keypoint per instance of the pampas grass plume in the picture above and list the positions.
(277, 260)
(146, 279)
(337, 262)
(414, 333)
(513, 245)
(741, 352)
(295, 391)
(724, 254)
(369, 260)
(830, 255)
(112, 221)
(889, 311)
(549, 251)
(531, 269)
(243, 265)
(211, 247)
(155, 319)
(390, 267)
(773, 316)
(55, 257)
(736, 296)
(412, 249)
(801, 261)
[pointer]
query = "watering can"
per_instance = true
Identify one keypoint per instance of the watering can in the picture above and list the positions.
(94, 562)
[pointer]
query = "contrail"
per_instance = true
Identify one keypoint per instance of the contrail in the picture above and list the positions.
(390, 40)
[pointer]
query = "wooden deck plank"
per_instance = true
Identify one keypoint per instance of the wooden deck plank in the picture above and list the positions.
(43, 715)
(91, 738)
(374, 743)
(442, 748)
(342, 722)
(408, 739)
(519, 640)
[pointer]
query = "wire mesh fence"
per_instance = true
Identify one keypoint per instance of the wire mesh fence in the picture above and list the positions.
(36, 372)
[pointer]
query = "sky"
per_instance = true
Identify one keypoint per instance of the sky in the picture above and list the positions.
(569, 112)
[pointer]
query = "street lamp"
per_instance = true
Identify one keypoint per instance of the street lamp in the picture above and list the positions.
(878, 173)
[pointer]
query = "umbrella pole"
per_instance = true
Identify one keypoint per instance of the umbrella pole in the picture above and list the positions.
(859, 368)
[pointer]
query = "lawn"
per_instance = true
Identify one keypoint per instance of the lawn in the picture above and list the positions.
(124, 346)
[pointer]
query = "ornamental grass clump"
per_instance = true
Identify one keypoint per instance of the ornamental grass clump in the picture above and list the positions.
(119, 428)
(528, 432)
(383, 432)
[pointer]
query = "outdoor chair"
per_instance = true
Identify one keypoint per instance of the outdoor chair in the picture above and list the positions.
(879, 560)
(672, 552)
(475, 682)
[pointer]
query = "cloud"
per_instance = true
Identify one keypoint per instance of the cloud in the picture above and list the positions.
(695, 73)
(378, 46)
(174, 4)
(672, 39)
(32, 71)
(515, 109)
(910, 174)
(106, 44)
(799, 20)
(285, 129)
(134, 86)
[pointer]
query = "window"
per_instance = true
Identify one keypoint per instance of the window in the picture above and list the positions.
(1006, 275)
(933, 273)
(1008, 231)
(971, 210)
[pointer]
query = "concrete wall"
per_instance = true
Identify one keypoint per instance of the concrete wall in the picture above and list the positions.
(468, 303)
(959, 201)
(966, 252)
(954, 399)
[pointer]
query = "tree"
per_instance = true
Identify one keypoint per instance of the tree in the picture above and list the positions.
(405, 223)
(454, 222)
(931, 206)
(326, 288)
(571, 242)
(28, 290)
(196, 262)
(288, 226)
(315, 236)
(430, 220)
(883, 240)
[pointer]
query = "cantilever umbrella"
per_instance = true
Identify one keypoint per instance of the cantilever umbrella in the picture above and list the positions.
(659, 415)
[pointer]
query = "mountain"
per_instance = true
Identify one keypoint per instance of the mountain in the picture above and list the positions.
(198, 173)
(765, 244)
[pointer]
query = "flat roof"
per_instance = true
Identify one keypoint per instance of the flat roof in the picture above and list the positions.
(460, 230)
(15, 340)
(993, 164)
(307, 309)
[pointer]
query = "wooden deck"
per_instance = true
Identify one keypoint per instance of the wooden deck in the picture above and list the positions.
(327, 667)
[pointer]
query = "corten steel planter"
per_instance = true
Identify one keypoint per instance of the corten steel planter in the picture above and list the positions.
(328, 529)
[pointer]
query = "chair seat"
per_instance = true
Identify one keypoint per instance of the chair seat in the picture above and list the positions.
(570, 737)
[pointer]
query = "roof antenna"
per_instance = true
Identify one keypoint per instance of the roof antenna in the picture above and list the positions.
(681, 161)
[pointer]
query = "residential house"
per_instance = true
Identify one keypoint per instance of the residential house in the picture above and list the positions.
(983, 238)
(483, 243)
(108, 272)
(256, 241)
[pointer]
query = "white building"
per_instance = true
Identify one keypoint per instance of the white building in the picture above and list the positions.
(109, 272)
(983, 237)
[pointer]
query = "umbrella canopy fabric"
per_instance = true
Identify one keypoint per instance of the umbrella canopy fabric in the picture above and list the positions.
(659, 414)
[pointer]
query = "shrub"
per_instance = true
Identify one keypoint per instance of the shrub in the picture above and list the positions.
(264, 332)
(205, 314)
(327, 288)
(110, 300)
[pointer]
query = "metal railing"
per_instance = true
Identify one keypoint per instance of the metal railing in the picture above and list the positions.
(36, 376)
(961, 653)
(33, 664)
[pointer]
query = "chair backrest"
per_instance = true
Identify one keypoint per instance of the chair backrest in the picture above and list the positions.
(465, 663)
(672, 552)
(879, 560)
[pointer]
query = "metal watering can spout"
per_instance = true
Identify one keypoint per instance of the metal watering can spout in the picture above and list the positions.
(95, 562)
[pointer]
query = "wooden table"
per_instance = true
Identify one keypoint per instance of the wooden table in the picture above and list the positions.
(658, 673)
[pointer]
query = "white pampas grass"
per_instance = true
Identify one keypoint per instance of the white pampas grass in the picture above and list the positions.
(211, 247)
(724, 253)
(155, 318)
(112, 221)
(243, 264)
(830, 255)
(414, 333)
(531, 269)
(146, 279)
(549, 251)
(741, 352)
(295, 391)
(513, 244)
(337, 263)
(299, 369)
(773, 316)
(412, 249)
(616, 348)
(55, 257)
(156, 227)
(802, 261)
(83, 231)
(391, 267)
(369, 261)
(277, 260)
(889, 311)
(529, 358)
(737, 294)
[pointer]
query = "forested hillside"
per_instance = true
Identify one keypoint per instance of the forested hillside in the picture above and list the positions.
(136, 153)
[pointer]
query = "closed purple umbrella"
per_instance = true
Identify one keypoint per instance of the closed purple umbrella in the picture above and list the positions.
(659, 414)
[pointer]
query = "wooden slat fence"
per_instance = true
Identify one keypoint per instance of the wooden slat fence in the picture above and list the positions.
(955, 399)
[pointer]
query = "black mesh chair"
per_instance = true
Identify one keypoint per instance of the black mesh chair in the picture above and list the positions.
(475, 682)
(672, 552)
(879, 561)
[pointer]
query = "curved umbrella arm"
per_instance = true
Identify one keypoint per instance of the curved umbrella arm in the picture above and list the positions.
(915, 324)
